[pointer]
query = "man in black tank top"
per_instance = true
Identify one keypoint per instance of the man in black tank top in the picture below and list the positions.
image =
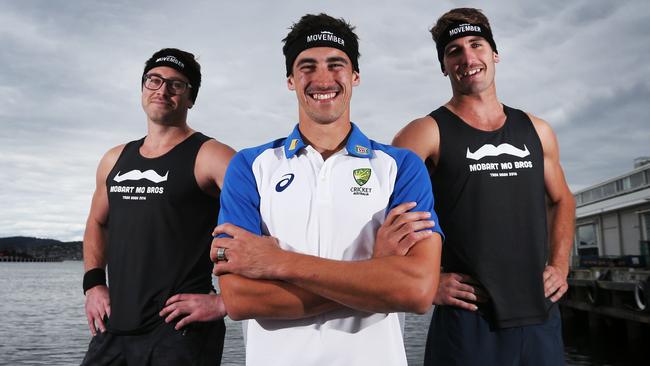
(495, 171)
(150, 227)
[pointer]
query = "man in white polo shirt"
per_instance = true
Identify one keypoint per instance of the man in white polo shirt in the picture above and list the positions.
(357, 237)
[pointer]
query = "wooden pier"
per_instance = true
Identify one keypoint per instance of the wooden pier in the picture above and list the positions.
(28, 259)
(620, 293)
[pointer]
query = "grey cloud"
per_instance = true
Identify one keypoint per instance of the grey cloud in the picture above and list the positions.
(605, 135)
(69, 87)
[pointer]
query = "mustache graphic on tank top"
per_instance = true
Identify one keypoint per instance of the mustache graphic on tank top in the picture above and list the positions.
(491, 150)
(135, 174)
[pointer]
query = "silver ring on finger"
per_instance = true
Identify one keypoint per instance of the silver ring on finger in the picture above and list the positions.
(221, 255)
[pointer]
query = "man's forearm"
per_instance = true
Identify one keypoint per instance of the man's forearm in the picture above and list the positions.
(265, 299)
(562, 232)
(94, 246)
(394, 283)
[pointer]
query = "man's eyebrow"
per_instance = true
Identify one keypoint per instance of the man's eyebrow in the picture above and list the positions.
(306, 60)
(337, 59)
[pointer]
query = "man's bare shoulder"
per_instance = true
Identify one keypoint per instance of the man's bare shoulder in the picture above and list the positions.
(107, 163)
(217, 149)
(421, 136)
(211, 163)
(543, 129)
(114, 152)
(420, 124)
(110, 158)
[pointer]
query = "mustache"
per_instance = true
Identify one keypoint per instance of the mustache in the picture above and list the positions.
(323, 89)
(135, 174)
(491, 150)
(161, 99)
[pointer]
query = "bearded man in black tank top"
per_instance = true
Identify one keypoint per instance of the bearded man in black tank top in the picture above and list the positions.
(495, 171)
(149, 227)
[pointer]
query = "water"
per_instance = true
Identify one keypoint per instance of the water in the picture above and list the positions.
(43, 323)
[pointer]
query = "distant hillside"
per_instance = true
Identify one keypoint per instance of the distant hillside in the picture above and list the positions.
(41, 248)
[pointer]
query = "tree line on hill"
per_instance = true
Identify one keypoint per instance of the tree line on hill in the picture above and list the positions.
(29, 247)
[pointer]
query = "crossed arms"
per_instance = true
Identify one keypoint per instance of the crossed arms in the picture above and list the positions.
(260, 280)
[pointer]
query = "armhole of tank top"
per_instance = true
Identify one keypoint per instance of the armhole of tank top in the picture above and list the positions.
(119, 159)
(205, 139)
(435, 120)
(537, 137)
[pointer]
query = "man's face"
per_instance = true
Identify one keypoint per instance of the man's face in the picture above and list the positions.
(470, 64)
(162, 106)
(323, 79)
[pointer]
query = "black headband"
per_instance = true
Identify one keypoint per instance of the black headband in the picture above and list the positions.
(178, 62)
(458, 30)
(323, 38)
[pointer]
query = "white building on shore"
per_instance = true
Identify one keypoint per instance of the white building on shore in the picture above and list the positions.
(613, 217)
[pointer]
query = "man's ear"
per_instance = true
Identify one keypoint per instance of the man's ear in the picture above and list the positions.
(356, 78)
(290, 84)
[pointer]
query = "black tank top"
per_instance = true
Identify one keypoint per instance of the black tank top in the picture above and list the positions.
(159, 233)
(490, 200)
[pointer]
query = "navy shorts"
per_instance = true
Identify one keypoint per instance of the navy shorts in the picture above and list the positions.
(195, 344)
(460, 337)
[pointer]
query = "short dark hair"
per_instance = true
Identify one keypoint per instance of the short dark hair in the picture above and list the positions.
(315, 23)
(182, 61)
(459, 15)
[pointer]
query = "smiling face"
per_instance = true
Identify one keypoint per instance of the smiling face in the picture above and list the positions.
(163, 107)
(470, 64)
(323, 79)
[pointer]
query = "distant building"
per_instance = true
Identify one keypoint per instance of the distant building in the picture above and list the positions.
(613, 217)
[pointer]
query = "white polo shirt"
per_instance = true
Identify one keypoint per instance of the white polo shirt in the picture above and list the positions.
(331, 209)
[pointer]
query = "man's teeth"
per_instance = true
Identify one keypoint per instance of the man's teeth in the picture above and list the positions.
(323, 96)
(471, 72)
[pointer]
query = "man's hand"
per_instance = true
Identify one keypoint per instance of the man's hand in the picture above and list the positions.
(247, 254)
(193, 308)
(456, 289)
(98, 305)
(401, 230)
(555, 283)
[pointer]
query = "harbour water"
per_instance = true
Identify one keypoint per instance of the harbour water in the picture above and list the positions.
(42, 322)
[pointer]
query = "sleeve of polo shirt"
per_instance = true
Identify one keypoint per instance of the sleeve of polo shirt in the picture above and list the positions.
(412, 184)
(240, 200)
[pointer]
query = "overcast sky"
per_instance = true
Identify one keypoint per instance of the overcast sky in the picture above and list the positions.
(70, 83)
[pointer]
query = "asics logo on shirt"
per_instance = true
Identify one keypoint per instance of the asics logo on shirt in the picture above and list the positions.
(284, 182)
(135, 174)
(491, 150)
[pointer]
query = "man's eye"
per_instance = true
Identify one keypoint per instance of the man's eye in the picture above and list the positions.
(451, 51)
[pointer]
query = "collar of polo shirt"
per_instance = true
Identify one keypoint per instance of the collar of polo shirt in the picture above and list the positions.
(357, 145)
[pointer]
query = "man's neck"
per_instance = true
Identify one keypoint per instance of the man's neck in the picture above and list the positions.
(162, 138)
(482, 111)
(327, 139)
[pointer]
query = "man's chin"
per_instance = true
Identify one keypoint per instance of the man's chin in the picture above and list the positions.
(325, 119)
(164, 121)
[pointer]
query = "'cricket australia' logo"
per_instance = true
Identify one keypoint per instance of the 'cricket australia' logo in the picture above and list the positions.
(361, 176)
